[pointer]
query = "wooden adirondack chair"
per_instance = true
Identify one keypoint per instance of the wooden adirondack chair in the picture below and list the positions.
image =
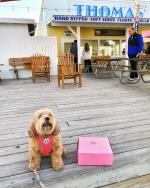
(67, 69)
(40, 66)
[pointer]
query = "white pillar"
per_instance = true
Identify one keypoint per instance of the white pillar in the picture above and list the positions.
(79, 44)
(127, 37)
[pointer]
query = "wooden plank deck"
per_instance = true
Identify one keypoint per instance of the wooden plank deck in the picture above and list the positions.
(102, 108)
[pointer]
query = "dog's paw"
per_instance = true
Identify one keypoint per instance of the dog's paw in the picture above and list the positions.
(65, 152)
(33, 167)
(58, 166)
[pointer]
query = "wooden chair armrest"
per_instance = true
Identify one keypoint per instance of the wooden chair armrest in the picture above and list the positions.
(60, 65)
(60, 69)
(81, 68)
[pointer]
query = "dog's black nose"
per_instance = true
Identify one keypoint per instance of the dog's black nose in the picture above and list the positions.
(47, 118)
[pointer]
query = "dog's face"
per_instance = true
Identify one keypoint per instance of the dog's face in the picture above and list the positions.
(43, 123)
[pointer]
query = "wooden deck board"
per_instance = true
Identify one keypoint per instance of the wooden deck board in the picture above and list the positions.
(100, 108)
(139, 182)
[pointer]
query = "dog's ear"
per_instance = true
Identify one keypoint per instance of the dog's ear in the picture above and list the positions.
(56, 130)
(32, 130)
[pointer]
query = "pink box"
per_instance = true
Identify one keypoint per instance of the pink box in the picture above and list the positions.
(94, 151)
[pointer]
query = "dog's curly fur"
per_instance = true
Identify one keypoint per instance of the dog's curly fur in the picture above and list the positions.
(39, 127)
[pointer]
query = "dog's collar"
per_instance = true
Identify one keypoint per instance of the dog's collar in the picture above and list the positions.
(45, 144)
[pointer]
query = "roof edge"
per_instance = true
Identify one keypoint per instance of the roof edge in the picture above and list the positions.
(17, 21)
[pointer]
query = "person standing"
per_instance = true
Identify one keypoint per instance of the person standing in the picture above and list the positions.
(86, 54)
(135, 48)
(74, 51)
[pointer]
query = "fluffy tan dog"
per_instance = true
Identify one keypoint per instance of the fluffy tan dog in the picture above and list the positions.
(45, 140)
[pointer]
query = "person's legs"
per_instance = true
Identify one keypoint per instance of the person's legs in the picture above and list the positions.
(76, 62)
(85, 66)
(89, 66)
(133, 64)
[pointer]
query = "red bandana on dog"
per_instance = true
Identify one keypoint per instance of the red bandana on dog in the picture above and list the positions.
(45, 144)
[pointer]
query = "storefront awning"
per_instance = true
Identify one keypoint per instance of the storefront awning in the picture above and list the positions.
(97, 20)
(92, 21)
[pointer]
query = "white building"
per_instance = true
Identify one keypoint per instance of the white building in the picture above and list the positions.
(17, 41)
(104, 24)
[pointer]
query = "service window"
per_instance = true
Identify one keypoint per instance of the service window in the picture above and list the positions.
(93, 45)
(109, 47)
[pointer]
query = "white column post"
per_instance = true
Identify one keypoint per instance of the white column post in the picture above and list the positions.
(79, 44)
(127, 36)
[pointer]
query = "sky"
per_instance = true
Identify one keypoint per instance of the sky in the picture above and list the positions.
(31, 8)
(21, 9)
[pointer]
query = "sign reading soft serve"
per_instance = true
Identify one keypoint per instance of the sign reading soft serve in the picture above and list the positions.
(101, 11)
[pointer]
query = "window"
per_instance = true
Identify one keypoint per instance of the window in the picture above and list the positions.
(123, 47)
(67, 46)
(109, 47)
(109, 32)
(93, 45)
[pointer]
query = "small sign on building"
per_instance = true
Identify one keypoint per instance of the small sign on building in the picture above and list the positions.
(68, 33)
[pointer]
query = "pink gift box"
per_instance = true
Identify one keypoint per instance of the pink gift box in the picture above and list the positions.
(94, 151)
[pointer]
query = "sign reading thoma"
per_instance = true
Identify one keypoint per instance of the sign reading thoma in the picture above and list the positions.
(104, 11)
(108, 11)
(107, 8)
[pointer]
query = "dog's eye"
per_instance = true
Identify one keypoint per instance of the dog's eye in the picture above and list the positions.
(40, 116)
(50, 115)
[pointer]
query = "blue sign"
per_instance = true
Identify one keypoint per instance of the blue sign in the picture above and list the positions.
(104, 11)
(97, 19)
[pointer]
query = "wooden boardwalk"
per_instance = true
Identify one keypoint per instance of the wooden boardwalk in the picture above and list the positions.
(101, 108)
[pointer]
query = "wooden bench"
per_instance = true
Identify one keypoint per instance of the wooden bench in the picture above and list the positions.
(22, 63)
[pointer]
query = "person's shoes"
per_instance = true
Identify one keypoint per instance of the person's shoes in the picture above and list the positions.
(131, 79)
(136, 78)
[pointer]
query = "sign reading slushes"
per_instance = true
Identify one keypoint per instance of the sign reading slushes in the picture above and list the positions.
(97, 19)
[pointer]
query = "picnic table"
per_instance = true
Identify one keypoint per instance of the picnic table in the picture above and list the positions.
(121, 66)
(0, 71)
(22, 63)
(101, 66)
